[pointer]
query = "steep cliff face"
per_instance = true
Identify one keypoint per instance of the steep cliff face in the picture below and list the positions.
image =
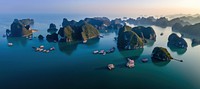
(98, 22)
(52, 28)
(145, 32)
(128, 39)
(18, 29)
(80, 31)
(161, 54)
(175, 40)
(88, 31)
(66, 33)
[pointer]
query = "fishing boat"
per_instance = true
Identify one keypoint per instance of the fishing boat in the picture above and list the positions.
(95, 52)
(130, 63)
(111, 66)
(10, 44)
(42, 46)
(85, 41)
(101, 52)
(52, 48)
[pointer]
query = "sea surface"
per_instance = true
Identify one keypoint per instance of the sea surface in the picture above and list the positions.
(73, 66)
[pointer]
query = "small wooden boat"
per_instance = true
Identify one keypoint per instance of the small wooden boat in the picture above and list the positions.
(111, 66)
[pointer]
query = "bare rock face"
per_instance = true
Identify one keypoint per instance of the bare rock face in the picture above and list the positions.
(128, 39)
(18, 29)
(145, 32)
(79, 31)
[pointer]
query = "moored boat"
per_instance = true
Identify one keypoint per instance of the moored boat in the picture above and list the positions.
(95, 52)
(130, 63)
(111, 66)
(10, 44)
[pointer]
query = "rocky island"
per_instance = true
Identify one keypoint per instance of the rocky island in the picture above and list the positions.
(175, 40)
(20, 28)
(73, 31)
(187, 29)
(134, 38)
(161, 54)
(128, 39)
(145, 32)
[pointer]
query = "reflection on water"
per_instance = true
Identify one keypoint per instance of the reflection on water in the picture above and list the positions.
(159, 63)
(179, 51)
(150, 43)
(92, 41)
(67, 48)
(19, 41)
(133, 54)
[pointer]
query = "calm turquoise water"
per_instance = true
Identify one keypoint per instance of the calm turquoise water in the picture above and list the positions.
(75, 67)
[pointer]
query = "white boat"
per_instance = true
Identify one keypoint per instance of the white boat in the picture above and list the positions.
(111, 66)
(130, 63)
(41, 47)
(102, 51)
(95, 52)
(10, 44)
(85, 41)
(44, 50)
(47, 51)
(52, 48)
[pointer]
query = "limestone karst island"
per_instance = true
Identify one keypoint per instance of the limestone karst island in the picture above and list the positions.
(99, 44)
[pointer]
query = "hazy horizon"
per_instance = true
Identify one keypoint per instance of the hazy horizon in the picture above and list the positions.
(112, 8)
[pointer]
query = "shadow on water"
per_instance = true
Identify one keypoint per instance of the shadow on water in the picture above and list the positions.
(67, 48)
(179, 51)
(92, 41)
(150, 43)
(133, 54)
(159, 63)
(17, 41)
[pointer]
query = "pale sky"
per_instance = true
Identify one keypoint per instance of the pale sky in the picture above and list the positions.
(102, 7)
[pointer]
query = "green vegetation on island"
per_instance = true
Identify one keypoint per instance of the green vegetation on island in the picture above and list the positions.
(161, 54)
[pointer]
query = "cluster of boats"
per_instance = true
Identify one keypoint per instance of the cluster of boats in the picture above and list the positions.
(104, 52)
(129, 64)
(42, 49)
